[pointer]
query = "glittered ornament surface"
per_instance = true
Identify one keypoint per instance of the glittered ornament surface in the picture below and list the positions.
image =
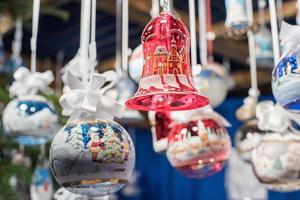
(92, 157)
(166, 83)
(198, 148)
(30, 119)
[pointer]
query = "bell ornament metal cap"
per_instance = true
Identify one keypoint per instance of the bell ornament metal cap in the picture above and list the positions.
(167, 83)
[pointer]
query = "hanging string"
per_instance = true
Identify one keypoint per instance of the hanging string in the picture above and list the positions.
(165, 4)
(59, 64)
(17, 43)
(84, 38)
(298, 12)
(279, 11)
(118, 62)
(253, 92)
(155, 8)
(193, 33)
(274, 29)
(93, 46)
(261, 11)
(209, 33)
(125, 35)
(35, 22)
(202, 32)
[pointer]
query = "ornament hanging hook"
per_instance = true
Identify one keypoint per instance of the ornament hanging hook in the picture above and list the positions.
(165, 4)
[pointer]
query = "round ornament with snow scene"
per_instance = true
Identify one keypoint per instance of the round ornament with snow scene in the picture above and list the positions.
(30, 119)
(286, 75)
(286, 80)
(199, 147)
(92, 157)
(276, 161)
(210, 80)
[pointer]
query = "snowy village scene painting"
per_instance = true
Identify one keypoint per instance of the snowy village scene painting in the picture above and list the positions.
(100, 156)
(285, 82)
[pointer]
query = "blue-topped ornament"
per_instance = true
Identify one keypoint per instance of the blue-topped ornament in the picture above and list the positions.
(29, 118)
(286, 75)
(236, 17)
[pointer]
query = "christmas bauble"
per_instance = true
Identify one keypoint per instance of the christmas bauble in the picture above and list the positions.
(167, 83)
(199, 147)
(92, 157)
(286, 80)
(263, 47)
(240, 181)
(136, 63)
(41, 184)
(160, 128)
(123, 90)
(208, 82)
(248, 137)
(30, 119)
(276, 161)
(236, 16)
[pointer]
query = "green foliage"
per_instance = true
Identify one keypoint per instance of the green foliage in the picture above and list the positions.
(6, 171)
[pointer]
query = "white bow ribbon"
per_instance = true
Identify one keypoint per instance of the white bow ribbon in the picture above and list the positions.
(29, 83)
(76, 64)
(89, 97)
(289, 36)
(272, 117)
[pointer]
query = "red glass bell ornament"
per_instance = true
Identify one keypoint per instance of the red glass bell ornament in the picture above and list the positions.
(167, 83)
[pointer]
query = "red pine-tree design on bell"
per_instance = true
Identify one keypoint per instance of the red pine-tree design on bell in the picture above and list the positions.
(167, 83)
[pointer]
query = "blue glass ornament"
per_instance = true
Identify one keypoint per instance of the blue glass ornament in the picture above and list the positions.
(286, 80)
(30, 120)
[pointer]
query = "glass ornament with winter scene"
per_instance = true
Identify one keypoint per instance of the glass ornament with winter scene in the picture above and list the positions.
(286, 80)
(276, 161)
(135, 65)
(167, 83)
(92, 157)
(213, 78)
(30, 119)
(263, 47)
(198, 147)
(286, 74)
(236, 16)
(41, 184)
